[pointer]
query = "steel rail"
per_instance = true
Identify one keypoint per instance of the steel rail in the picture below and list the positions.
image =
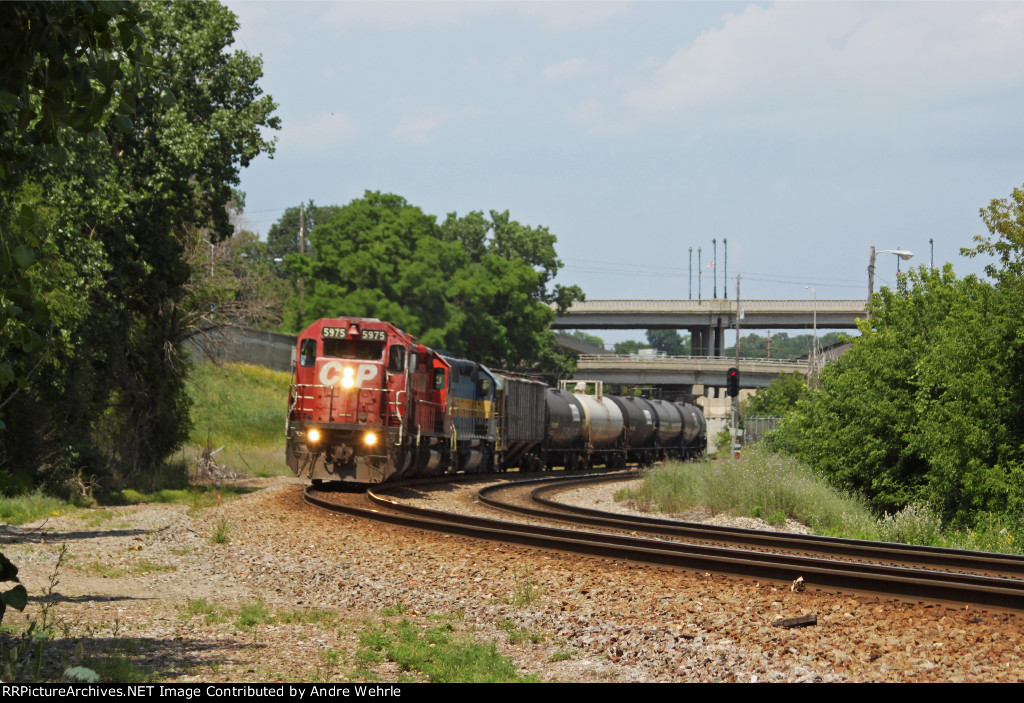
(1004, 564)
(818, 573)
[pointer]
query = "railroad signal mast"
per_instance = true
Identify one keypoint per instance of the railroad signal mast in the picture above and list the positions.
(732, 385)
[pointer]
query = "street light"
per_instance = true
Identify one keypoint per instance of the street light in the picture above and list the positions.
(900, 254)
(812, 359)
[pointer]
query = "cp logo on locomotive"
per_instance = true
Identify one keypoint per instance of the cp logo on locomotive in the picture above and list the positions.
(331, 373)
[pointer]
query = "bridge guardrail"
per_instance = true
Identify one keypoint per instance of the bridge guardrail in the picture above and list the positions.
(714, 305)
(726, 361)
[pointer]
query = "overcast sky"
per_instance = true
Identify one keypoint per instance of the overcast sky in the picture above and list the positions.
(803, 133)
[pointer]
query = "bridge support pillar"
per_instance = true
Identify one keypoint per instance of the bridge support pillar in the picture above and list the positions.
(719, 338)
(701, 340)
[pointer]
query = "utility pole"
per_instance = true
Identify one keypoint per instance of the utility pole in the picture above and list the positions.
(870, 274)
(736, 398)
(691, 273)
(302, 254)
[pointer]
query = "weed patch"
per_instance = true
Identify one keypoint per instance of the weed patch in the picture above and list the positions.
(436, 653)
(221, 533)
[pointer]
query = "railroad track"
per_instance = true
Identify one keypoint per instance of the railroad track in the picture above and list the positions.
(830, 564)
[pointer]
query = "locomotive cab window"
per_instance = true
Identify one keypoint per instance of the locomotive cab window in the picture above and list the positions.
(354, 349)
(396, 359)
(484, 388)
(307, 352)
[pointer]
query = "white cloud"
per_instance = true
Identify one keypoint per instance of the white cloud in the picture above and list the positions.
(422, 129)
(828, 63)
(570, 16)
(569, 69)
(434, 14)
(401, 16)
(318, 131)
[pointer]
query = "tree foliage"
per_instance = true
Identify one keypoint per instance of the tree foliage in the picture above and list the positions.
(69, 68)
(669, 342)
(283, 237)
(1004, 219)
(475, 286)
(779, 398)
(114, 220)
(591, 339)
(926, 404)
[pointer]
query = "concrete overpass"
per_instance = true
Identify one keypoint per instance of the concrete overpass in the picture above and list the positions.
(707, 371)
(707, 320)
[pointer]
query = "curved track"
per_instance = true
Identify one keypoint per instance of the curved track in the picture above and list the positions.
(902, 575)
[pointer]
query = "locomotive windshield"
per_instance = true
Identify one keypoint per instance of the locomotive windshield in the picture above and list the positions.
(354, 349)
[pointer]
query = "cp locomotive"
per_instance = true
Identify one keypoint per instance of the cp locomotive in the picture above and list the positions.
(368, 404)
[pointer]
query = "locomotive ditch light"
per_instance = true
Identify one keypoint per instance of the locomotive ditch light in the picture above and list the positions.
(369, 439)
(313, 435)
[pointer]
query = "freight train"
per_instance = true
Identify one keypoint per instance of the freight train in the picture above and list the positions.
(368, 404)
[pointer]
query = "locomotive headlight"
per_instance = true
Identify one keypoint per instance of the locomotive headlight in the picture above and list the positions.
(369, 439)
(313, 436)
(348, 377)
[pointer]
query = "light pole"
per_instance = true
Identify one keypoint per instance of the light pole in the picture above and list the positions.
(812, 358)
(900, 253)
(714, 265)
(700, 276)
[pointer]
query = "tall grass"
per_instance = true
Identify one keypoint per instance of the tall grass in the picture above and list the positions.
(763, 484)
(760, 484)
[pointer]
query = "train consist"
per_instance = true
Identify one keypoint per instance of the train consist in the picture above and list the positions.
(370, 404)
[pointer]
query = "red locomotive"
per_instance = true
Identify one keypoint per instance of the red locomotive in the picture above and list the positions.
(367, 402)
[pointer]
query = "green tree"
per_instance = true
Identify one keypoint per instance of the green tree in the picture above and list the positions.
(1004, 219)
(591, 339)
(922, 407)
(779, 398)
(669, 341)
(69, 68)
(283, 237)
(119, 215)
(629, 346)
(473, 286)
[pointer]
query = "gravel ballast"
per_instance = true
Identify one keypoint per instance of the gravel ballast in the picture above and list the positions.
(133, 576)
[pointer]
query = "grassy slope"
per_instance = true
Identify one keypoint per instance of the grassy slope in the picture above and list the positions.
(242, 408)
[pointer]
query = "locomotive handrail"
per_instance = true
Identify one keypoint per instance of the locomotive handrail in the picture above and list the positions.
(398, 412)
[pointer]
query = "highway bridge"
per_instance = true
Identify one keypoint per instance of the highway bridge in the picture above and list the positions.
(707, 320)
(707, 371)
